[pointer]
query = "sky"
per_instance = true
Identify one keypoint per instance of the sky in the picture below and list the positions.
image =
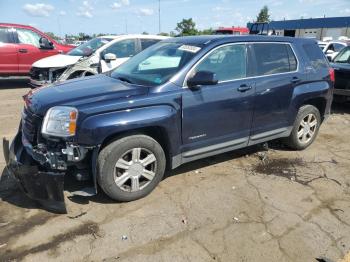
(136, 16)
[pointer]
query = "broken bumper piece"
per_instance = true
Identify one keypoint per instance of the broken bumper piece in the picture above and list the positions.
(44, 186)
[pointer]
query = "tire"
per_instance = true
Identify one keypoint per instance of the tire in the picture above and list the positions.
(305, 129)
(127, 161)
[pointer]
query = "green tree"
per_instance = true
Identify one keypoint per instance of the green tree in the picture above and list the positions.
(208, 31)
(145, 33)
(263, 16)
(52, 35)
(186, 27)
(163, 34)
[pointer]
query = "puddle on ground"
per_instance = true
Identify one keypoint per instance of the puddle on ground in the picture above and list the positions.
(283, 167)
(288, 168)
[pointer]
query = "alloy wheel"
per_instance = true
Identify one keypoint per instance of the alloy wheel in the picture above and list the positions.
(135, 169)
(307, 128)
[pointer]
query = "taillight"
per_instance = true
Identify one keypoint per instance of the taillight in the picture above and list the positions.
(332, 74)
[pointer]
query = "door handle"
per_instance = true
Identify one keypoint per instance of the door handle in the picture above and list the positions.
(23, 50)
(295, 80)
(244, 88)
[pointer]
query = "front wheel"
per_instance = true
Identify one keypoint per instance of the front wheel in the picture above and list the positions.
(305, 128)
(131, 167)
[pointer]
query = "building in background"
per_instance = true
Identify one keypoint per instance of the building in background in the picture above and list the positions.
(328, 28)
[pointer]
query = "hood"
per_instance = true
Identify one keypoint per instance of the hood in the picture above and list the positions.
(80, 92)
(56, 61)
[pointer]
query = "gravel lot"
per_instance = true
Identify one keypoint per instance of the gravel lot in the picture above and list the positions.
(248, 205)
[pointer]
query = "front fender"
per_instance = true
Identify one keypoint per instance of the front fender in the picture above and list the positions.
(95, 129)
(80, 66)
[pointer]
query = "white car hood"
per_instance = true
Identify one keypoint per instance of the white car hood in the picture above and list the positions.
(56, 61)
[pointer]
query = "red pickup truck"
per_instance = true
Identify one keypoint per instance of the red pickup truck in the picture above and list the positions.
(22, 45)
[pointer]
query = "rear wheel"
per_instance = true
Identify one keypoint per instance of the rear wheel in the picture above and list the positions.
(305, 128)
(131, 167)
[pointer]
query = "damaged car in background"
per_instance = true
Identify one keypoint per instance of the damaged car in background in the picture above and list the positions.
(98, 55)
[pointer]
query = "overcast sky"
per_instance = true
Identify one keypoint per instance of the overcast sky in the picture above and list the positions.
(137, 16)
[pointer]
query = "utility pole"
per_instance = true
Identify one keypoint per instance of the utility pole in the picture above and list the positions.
(159, 16)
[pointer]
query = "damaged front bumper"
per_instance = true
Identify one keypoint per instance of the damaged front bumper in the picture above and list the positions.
(38, 183)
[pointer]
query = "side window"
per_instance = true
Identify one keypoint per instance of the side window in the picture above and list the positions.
(122, 49)
(338, 47)
(293, 63)
(227, 62)
(316, 56)
(29, 37)
(145, 43)
(4, 35)
(274, 58)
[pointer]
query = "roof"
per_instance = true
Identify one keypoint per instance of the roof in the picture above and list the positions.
(15, 25)
(207, 39)
(134, 36)
(311, 23)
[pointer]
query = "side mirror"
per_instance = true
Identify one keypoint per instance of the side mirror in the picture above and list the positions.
(202, 78)
(45, 43)
(109, 57)
(329, 52)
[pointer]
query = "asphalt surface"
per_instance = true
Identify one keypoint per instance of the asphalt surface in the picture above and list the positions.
(247, 205)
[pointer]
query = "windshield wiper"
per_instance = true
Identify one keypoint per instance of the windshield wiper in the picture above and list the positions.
(124, 79)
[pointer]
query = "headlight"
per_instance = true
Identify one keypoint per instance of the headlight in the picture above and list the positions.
(60, 121)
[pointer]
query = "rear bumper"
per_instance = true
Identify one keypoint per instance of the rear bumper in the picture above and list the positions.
(39, 184)
(341, 92)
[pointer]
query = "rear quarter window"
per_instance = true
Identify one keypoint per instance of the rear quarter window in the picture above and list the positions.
(274, 58)
(315, 55)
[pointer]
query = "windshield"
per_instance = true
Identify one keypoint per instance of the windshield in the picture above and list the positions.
(156, 65)
(344, 56)
(89, 47)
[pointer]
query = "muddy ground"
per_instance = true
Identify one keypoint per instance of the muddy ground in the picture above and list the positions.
(248, 205)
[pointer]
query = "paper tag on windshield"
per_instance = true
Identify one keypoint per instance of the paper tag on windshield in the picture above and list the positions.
(189, 48)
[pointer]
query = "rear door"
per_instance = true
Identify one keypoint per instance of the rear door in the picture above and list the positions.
(29, 50)
(219, 116)
(8, 52)
(276, 75)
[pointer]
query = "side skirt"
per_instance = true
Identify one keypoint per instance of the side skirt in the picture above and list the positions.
(216, 149)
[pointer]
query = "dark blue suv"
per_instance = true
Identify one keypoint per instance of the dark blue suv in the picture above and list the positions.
(180, 100)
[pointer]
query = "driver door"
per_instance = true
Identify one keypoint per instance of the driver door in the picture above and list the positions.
(218, 117)
(28, 49)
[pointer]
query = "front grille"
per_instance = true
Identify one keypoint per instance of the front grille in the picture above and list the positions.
(40, 74)
(31, 124)
(46, 74)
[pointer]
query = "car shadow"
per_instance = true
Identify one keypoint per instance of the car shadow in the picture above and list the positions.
(340, 108)
(14, 82)
(11, 193)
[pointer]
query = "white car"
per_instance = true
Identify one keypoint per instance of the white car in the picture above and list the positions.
(332, 48)
(99, 55)
(78, 43)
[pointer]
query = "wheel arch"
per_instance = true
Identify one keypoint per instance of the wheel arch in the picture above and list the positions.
(158, 133)
(319, 102)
